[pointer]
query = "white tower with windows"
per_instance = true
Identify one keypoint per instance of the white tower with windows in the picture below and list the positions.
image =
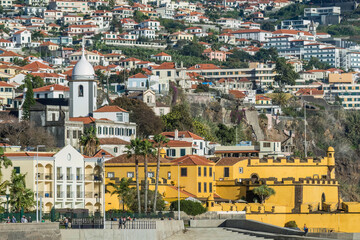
(83, 89)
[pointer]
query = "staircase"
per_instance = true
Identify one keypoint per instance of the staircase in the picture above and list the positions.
(212, 234)
(253, 119)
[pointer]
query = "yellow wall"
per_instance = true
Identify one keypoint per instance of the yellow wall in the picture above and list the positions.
(341, 222)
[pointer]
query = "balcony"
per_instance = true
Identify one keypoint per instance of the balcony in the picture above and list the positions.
(69, 194)
(48, 176)
(69, 177)
(93, 177)
(79, 177)
(59, 194)
(59, 177)
(47, 194)
(79, 194)
(92, 195)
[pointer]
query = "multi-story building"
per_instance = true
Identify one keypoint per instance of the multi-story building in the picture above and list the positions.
(335, 57)
(253, 34)
(302, 25)
(66, 179)
(69, 6)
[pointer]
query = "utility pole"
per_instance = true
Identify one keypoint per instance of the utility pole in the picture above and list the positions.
(305, 144)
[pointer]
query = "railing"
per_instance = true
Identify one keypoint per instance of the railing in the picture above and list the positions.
(321, 230)
(48, 176)
(92, 195)
(93, 177)
(60, 177)
(133, 224)
(59, 194)
(79, 177)
(69, 194)
(79, 194)
(69, 177)
(45, 194)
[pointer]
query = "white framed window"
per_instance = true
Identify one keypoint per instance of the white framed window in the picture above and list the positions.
(151, 174)
(241, 170)
(110, 174)
(120, 117)
(130, 174)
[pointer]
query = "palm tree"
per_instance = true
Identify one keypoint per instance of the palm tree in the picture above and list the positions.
(20, 196)
(134, 149)
(147, 149)
(89, 141)
(160, 141)
(4, 161)
(264, 192)
(121, 189)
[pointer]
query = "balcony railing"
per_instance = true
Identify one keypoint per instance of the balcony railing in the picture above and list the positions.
(79, 194)
(59, 194)
(69, 194)
(79, 177)
(93, 177)
(60, 177)
(48, 176)
(44, 176)
(69, 177)
(92, 195)
(47, 194)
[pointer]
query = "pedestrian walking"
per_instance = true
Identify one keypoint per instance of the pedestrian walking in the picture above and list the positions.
(66, 221)
(120, 222)
(306, 229)
(124, 222)
(13, 220)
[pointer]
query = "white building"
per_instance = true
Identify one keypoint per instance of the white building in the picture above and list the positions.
(22, 38)
(253, 34)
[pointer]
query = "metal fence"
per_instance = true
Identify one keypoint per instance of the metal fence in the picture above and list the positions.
(116, 215)
(86, 223)
(132, 224)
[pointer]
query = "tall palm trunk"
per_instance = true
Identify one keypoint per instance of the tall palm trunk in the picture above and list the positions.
(137, 183)
(157, 178)
(146, 182)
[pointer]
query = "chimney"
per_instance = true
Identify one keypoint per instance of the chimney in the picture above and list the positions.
(176, 134)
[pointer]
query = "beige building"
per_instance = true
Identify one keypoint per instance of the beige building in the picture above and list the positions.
(7, 93)
(69, 6)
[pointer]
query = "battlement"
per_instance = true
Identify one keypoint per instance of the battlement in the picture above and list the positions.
(288, 161)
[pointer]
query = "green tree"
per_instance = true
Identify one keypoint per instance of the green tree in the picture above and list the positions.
(20, 62)
(160, 141)
(178, 118)
(89, 141)
(147, 123)
(20, 196)
(264, 55)
(285, 74)
(29, 98)
(267, 26)
(121, 189)
(193, 49)
(133, 205)
(264, 192)
(147, 149)
(4, 162)
(352, 128)
(189, 207)
(134, 149)
(225, 135)
(314, 63)
(139, 16)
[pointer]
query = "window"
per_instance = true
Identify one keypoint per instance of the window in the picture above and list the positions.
(210, 171)
(169, 73)
(74, 133)
(151, 174)
(205, 187)
(67, 133)
(240, 170)
(115, 149)
(226, 172)
(201, 145)
(199, 171)
(266, 144)
(171, 152)
(210, 187)
(182, 152)
(17, 169)
(81, 91)
(169, 175)
(53, 116)
(119, 117)
(205, 173)
(99, 130)
(183, 172)
(130, 174)
(199, 187)
(110, 174)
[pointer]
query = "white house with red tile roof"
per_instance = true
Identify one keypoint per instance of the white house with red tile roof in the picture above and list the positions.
(199, 144)
(162, 57)
(52, 78)
(6, 44)
(37, 67)
(150, 24)
(142, 82)
(7, 94)
(94, 57)
(253, 34)
(22, 38)
(52, 91)
(229, 22)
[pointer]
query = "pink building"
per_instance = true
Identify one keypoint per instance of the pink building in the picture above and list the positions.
(215, 55)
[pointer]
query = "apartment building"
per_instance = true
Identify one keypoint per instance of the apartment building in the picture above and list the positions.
(253, 34)
(335, 57)
(302, 25)
(69, 6)
(66, 179)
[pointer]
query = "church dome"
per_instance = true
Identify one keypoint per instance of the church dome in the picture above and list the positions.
(83, 70)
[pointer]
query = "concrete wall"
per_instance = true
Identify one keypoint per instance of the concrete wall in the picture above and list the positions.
(38, 231)
(206, 223)
(164, 229)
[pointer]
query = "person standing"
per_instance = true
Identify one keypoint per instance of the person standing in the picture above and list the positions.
(13, 220)
(66, 221)
(120, 222)
(8, 220)
(306, 229)
(30, 220)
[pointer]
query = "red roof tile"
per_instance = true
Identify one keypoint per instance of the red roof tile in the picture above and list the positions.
(110, 109)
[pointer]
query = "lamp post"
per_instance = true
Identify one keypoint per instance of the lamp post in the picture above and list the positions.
(305, 144)
(37, 181)
(179, 190)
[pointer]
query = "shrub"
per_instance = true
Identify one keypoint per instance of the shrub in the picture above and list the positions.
(189, 207)
(291, 224)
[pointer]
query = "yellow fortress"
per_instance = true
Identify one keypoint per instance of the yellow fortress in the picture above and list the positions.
(306, 189)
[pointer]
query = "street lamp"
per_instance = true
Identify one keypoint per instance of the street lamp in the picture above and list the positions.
(179, 190)
(37, 181)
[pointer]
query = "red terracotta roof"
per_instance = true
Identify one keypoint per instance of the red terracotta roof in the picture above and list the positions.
(189, 160)
(110, 109)
(5, 84)
(185, 134)
(85, 120)
(237, 93)
(34, 66)
(56, 87)
(165, 65)
(113, 141)
(138, 75)
(100, 154)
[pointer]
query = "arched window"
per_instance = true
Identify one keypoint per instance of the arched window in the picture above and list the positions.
(81, 91)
